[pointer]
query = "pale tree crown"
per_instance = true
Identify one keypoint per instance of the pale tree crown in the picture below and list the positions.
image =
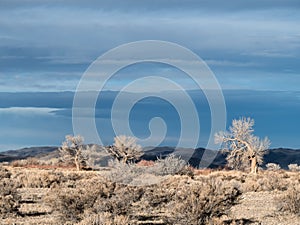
(71, 151)
(125, 148)
(241, 144)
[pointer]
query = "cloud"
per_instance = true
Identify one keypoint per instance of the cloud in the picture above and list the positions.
(226, 63)
(45, 41)
(27, 126)
(38, 81)
(90, 29)
(27, 111)
(43, 100)
(270, 53)
(47, 45)
(29, 121)
(133, 5)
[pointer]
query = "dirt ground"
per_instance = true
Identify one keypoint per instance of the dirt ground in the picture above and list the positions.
(262, 209)
(253, 207)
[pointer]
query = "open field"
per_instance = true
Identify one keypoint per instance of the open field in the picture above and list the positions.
(65, 196)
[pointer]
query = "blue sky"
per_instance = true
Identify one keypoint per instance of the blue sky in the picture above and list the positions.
(45, 46)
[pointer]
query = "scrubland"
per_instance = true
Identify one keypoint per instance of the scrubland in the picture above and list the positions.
(145, 194)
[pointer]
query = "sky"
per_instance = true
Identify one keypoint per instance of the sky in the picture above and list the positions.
(252, 47)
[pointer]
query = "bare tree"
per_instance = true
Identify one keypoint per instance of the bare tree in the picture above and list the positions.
(71, 151)
(242, 145)
(294, 167)
(273, 166)
(94, 155)
(125, 148)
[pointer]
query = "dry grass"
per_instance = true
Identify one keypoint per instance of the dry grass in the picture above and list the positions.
(203, 201)
(9, 197)
(52, 163)
(290, 200)
(104, 219)
(88, 197)
(145, 163)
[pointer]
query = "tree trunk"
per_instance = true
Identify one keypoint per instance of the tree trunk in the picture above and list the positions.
(77, 162)
(125, 159)
(254, 165)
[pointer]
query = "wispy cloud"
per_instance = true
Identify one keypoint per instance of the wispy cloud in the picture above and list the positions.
(27, 111)
(272, 54)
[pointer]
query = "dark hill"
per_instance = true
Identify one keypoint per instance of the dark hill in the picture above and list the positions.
(6, 158)
(37, 152)
(281, 156)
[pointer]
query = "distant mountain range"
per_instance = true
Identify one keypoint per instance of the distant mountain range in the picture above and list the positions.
(24, 153)
(281, 156)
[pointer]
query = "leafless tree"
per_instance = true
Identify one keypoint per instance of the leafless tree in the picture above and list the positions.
(125, 148)
(242, 145)
(273, 166)
(294, 167)
(71, 151)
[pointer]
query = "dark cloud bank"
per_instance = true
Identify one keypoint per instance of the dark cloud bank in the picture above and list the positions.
(276, 114)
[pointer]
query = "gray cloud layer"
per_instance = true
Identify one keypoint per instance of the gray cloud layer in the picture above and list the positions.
(43, 43)
(130, 5)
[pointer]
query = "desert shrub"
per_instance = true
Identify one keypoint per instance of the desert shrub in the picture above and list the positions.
(72, 175)
(200, 202)
(17, 163)
(71, 203)
(145, 163)
(4, 173)
(186, 170)
(125, 148)
(294, 167)
(72, 178)
(236, 175)
(33, 161)
(104, 219)
(42, 163)
(170, 165)
(51, 161)
(273, 167)
(95, 156)
(205, 171)
(35, 178)
(271, 183)
(99, 186)
(264, 181)
(121, 202)
(26, 162)
(138, 203)
(159, 196)
(122, 172)
(251, 183)
(9, 198)
(290, 199)
(267, 181)
(68, 203)
(92, 197)
(130, 173)
(176, 200)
